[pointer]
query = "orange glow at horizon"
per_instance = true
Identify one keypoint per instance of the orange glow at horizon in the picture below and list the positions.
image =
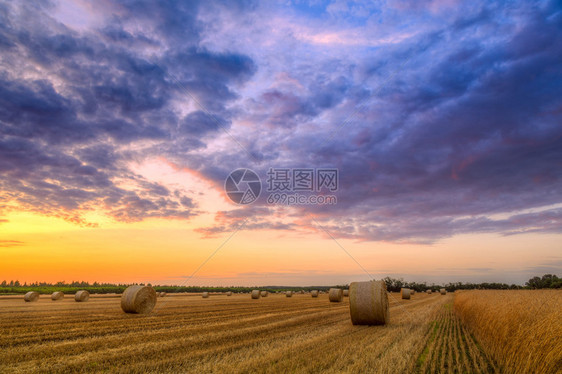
(168, 251)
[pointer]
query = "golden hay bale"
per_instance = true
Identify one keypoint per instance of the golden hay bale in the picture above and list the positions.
(428, 292)
(205, 295)
(256, 294)
(335, 295)
(368, 303)
(138, 299)
(229, 293)
(31, 296)
(443, 291)
(81, 296)
(162, 294)
(405, 293)
(345, 292)
(289, 293)
(314, 293)
(57, 296)
(263, 294)
(412, 292)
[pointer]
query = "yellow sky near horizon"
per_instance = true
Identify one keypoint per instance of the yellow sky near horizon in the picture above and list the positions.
(164, 251)
(168, 251)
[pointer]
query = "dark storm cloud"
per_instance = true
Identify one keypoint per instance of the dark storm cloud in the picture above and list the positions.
(463, 122)
(284, 107)
(199, 123)
(70, 101)
(456, 121)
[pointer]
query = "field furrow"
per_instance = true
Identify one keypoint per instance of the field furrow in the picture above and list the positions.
(450, 348)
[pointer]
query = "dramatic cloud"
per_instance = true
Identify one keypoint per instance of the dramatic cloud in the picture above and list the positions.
(77, 107)
(443, 118)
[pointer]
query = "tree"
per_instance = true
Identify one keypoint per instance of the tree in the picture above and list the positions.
(546, 281)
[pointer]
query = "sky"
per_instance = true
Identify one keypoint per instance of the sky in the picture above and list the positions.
(121, 121)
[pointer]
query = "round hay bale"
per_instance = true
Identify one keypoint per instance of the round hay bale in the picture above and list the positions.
(368, 303)
(345, 292)
(57, 295)
(205, 295)
(256, 294)
(428, 292)
(229, 293)
(412, 292)
(289, 293)
(405, 293)
(138, 299)
(314, 293)
(263, 294)
(82, 296)
(335, 295)
(31, 296)
(443, 291)
(162, 294)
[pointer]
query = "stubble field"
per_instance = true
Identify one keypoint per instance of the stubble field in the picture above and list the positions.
(276, 334)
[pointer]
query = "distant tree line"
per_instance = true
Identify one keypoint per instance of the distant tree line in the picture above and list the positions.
(17, 283)
(15, 287)
(392, 284)
(547, 281)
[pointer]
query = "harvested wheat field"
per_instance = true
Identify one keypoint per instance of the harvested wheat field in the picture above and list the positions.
(185, 333)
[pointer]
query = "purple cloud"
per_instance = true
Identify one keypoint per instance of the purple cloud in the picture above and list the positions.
(72, 103)
(439, 117)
